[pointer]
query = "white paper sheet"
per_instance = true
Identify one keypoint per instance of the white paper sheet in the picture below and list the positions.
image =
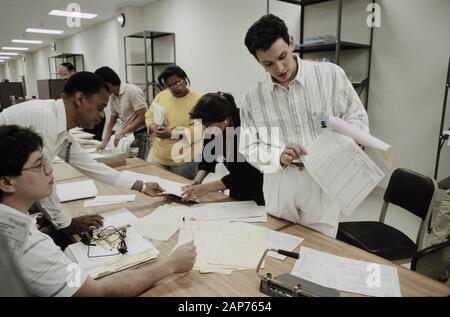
(92, 203)
(346, 274)
(229, 210)
(159, 114)
(283, 241)
(118, 217)
(76, 190)
(162, 223)
(240, 245)
(381, 149)
(96, 155)
(14, 228)
(170, 187)
(356, 134)
(115, 198)
(342, 169)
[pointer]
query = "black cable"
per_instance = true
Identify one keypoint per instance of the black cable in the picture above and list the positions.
(122, 247)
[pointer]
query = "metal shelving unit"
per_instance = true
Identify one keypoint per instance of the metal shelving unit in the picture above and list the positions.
(149, 62)
(443, 135)
(77, 61)
(338, 46)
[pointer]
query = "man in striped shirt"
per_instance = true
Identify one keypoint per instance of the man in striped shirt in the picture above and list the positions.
(279, 118)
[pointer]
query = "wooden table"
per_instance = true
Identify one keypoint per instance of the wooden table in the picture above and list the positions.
(245, 282)
(63, 171)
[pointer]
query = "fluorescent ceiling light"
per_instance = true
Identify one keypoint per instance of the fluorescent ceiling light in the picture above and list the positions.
(11, 54)
(45, 31)
(8, 48)
(4, 57)
(73, 14)
(26, 41)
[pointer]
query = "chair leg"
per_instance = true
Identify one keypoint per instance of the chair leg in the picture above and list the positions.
(430, 227)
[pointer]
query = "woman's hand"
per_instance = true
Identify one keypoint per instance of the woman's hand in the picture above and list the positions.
(194, 192)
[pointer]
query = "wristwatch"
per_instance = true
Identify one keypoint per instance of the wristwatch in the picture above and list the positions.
(144, 187)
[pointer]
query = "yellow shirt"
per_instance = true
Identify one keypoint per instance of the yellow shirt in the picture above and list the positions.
(176, 116)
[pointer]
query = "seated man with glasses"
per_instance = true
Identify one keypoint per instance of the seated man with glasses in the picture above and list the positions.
(26, 177)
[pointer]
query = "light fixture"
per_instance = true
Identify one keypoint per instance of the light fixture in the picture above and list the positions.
(8, 48)
(44, 31)
(26, 41)
(121, 19)
(72, 14)
(5, 57)
(10, 54)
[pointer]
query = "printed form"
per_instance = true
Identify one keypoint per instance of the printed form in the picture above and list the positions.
(347, 274)
(342, 169)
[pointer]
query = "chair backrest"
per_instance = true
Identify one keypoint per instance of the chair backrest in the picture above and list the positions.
(411, 191)
(433, 261)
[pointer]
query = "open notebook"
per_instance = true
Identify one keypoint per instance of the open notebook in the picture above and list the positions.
(102, 259)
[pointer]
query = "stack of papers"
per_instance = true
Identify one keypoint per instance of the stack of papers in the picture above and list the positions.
(346, 274)
(140, 250)
(163, 222)
(109, 200)
(76, 190)
(223, 247)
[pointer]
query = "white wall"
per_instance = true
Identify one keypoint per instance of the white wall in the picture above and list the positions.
(410, 59)
(210, 39)
(99, 45)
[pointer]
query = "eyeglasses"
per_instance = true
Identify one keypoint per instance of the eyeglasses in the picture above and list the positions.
(44, 167)
(175, 86)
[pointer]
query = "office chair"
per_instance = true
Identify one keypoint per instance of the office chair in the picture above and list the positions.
(407, 189)
(433, 262)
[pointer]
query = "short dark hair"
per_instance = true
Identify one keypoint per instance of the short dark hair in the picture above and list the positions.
(16, 145)
(214, 107)
(86, 82)
(108, 75)
(264, 32)
(69, 66)
(172, 71)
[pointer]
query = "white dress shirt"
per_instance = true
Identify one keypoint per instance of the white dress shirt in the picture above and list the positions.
(290, 113)
(46, 270)
(273, 116)
(48, 118)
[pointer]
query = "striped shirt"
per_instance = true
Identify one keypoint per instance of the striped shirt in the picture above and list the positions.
(130, 99)
(291, 113)
(48, 118)
(46, 270)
